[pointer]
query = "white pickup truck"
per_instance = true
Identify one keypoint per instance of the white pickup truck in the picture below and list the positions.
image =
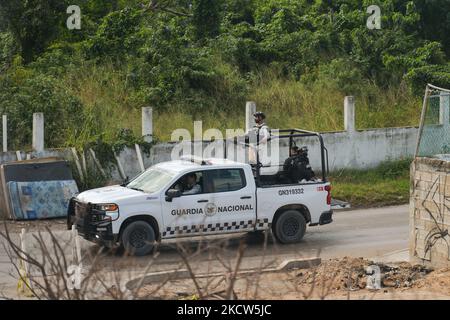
(152, 208)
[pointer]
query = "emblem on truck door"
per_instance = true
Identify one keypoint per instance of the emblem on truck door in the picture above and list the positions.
(210, 209)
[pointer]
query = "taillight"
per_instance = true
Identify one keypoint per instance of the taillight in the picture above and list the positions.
(328, 190)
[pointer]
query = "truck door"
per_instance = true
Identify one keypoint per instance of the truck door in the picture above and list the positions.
(185, 215)
(232, 202)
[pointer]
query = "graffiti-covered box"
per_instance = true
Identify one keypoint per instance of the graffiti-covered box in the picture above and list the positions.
(430, 212)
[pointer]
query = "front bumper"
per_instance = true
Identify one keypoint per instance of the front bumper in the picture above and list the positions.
(89, 222)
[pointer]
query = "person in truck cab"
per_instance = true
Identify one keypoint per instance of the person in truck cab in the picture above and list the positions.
(141, 213)
(189, 185)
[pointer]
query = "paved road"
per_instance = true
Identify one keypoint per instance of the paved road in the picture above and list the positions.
(365, 233)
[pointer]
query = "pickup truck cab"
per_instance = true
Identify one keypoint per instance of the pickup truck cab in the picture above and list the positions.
(229, 199)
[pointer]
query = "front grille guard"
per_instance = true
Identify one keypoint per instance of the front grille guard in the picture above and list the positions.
(83, 211)
(79, 211)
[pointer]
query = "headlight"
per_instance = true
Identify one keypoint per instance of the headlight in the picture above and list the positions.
(110, 210)
(108, 207)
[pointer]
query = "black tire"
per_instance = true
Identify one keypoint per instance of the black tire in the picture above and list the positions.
(290, 227)
(138, 238)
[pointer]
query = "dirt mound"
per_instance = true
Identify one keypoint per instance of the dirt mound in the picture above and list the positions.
(351, 274)
(437, 281)
(344, 278)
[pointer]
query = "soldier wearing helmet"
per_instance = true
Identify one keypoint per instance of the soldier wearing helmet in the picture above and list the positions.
(296, 168)
(260, 128)
(257, 136)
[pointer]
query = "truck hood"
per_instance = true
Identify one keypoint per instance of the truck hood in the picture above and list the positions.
(110, 194)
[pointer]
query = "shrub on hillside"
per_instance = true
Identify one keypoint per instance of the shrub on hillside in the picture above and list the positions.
(38, 93)
(438, 75)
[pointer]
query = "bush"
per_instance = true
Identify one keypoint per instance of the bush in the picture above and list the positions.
(116, 35)
(438, 75)
(8, 49)
(39, 93)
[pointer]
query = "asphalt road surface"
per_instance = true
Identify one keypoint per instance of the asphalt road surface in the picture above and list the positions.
(367, 233)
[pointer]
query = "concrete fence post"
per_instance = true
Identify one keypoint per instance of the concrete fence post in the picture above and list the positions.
(38, 131)
(349, 114)
(147, 124)
(5, 132)
(250, 109)
(444, 119)
(444, 109)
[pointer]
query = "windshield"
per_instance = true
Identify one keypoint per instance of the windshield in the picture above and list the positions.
(151, 180)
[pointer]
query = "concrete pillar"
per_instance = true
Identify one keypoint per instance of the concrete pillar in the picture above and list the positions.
(444, 109)
(5, 133)
(349, 114)
(444, 120)
(38, 131)
(250, 109)
(147, 124)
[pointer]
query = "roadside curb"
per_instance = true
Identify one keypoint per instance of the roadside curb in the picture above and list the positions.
(163, 276)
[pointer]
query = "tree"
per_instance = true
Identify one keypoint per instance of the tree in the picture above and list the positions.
(435, 24)
(206, 18)
(33, 23)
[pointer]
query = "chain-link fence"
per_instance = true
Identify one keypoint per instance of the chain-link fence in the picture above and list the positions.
(434, 132)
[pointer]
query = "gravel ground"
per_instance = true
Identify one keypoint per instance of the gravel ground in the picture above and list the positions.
(343, 278)
(56, 224)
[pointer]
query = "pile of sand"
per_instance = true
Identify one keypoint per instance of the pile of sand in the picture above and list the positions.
(437, 281)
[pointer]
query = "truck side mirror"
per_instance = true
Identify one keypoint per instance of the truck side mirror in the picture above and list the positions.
(172, 193)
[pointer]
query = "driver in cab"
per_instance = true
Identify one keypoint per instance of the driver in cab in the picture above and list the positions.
(189, 185)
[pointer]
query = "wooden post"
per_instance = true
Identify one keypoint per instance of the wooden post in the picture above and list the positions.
(24, 285)
(83, 163)
(139, 157)
(119, 166)
(99, 166)
(76, 249)
(23, 247)
(77, 163)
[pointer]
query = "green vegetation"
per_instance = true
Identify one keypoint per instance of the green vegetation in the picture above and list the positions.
(387, 184)
(202, 59)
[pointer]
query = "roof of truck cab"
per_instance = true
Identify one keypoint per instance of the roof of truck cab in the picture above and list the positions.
(186, 165)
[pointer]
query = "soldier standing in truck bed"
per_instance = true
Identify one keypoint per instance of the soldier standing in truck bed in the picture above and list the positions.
(260, 134)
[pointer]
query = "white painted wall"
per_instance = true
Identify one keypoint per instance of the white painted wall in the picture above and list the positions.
(357, 149)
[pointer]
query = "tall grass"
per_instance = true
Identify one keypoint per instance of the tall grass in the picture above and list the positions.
(387, 184)
(110, 104)
(107, 103)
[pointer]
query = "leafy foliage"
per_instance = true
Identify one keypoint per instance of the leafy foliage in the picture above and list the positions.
(204, 58)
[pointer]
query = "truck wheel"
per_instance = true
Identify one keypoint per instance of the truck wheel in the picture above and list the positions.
(138, 238)
(290, 227)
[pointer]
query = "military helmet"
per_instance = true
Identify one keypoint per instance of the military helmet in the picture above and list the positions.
(259, 114)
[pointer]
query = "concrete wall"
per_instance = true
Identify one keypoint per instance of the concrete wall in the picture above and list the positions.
(358, 149)
(430, 212)
(352, 148)
(364, 148)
